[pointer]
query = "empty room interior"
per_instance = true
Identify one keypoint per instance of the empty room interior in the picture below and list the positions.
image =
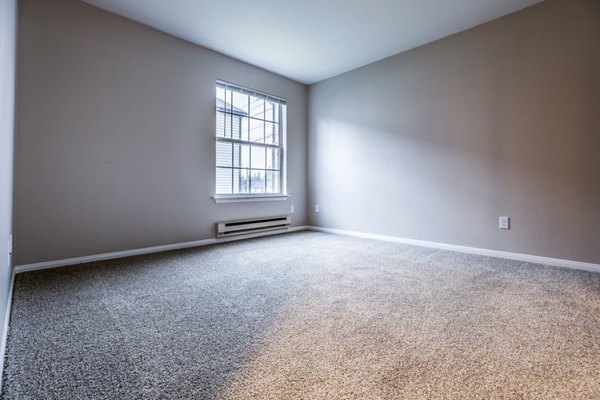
(339, 199)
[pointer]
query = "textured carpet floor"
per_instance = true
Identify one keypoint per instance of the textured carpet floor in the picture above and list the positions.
(305, 316)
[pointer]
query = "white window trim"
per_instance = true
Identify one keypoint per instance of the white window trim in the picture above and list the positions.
(226, 198)
(249, 197)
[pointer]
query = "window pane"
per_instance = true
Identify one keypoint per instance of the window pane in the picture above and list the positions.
(227, 100)
(240, 181)
(241, 155)
(258, 157)
(272, 158)
(224, 124)
(224, 154)
(276, 113)
(257, 107)
(257, 131)
(271, 133)
(228, 124)
(244, 129)
(270, 110)
(220, 98)
(224, 180)
(221, 124)
(236, 126)
(276, 134)
(273, 182)
(258, 181)
(240, 103)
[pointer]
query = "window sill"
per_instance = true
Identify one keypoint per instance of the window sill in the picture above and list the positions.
(243, 199)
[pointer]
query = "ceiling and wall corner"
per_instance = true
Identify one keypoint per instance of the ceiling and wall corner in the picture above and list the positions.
(312, 40)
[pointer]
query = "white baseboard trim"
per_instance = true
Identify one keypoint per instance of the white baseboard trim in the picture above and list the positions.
(4, 336)
(557, 262)
(146, 250)
(395, 239)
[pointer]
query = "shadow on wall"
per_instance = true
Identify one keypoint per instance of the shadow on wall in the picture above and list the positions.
(436, 143)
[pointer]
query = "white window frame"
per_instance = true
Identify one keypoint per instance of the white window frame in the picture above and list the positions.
(243, 197)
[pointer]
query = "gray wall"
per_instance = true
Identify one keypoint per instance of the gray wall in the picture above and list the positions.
(115, 142)
(436, 143)
(8, 31)
(115, 147)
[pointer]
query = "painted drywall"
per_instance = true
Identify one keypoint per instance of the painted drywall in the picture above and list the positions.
(8, 40)
(436, 143)
(115, 147)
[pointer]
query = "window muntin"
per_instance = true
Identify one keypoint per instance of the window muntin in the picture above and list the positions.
(249, 148)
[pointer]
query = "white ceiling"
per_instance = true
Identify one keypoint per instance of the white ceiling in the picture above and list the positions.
(311, 40)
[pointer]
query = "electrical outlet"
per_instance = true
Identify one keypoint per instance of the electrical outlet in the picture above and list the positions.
(504, 223)
(10, 249)
(291, 209)
(317, 209)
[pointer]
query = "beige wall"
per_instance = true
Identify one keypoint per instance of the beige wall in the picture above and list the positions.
(115, 145)
(438, 142)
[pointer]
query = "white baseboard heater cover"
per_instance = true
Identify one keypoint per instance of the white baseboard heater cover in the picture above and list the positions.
(241, 227)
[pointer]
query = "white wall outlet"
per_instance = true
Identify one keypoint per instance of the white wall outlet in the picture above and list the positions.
(317, 208)
(291, 209)
(504, 223)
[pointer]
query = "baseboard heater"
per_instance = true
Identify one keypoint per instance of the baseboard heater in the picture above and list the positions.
(241, 227)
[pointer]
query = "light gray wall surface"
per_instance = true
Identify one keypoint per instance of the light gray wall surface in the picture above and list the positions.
(8, 41)
(436, 143)
(115, 147)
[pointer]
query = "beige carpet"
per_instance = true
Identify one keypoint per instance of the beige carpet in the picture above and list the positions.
(449, 327)
(307, 316)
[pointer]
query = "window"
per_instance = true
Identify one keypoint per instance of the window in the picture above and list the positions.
(250, 142)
